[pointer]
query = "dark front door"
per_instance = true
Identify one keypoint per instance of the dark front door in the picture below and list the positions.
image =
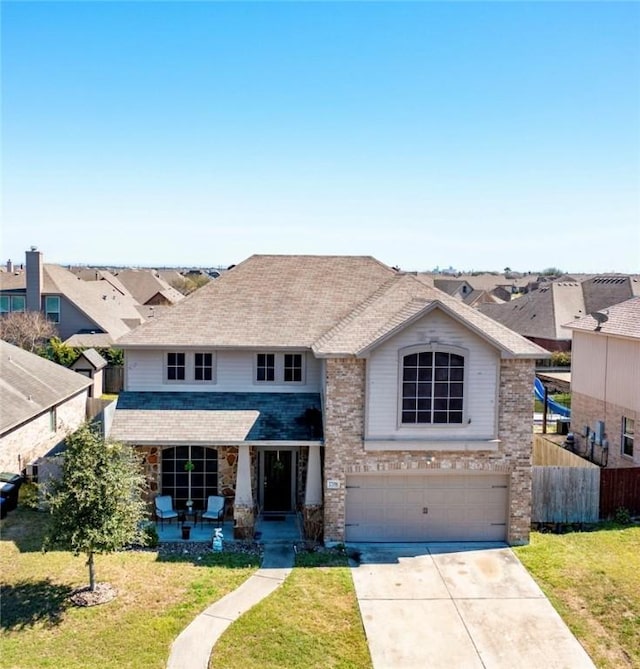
(277, 480)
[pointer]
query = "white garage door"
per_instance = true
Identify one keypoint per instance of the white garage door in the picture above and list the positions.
(426, 507)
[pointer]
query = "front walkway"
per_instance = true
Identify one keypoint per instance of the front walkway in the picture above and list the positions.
(193, 647)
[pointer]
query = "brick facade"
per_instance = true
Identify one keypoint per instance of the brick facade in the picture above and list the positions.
(30, 441)
(344, 446)
(585, 411)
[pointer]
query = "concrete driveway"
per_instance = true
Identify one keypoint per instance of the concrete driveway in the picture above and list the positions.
(458, 606)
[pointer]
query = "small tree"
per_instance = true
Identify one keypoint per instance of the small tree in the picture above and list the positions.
(29, 330)
(97, 505)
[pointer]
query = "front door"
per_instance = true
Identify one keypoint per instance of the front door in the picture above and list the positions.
(277, 480)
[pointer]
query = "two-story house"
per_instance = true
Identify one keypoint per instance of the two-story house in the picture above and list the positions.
(85, 313)
(378, 406)
(605, 384)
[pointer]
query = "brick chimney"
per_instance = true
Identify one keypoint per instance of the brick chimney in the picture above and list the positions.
(9, 267)
(34, 279)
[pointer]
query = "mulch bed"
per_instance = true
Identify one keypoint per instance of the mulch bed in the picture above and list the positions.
(103, 593)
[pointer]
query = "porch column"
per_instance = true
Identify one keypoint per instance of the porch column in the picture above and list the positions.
(313, 517)
(243, 512)
(313, 489)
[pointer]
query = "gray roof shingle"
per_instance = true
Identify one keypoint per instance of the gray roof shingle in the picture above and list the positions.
(623, 320)
(198, 417)
(30, 385)
(266, 301)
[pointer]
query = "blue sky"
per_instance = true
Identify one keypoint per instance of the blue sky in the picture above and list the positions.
(477, 135)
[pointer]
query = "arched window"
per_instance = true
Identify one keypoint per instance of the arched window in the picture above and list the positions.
(190, 472)
(432, 389)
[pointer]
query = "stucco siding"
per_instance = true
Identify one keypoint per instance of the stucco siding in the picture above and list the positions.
(383, 383)
(606, 369)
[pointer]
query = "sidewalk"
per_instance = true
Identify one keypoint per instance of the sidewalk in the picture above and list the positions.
(192, 648)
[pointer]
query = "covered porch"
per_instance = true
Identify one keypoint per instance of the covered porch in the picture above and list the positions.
(260, 451)
(269, 528)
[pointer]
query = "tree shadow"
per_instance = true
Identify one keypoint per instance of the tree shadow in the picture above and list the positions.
(27, 603)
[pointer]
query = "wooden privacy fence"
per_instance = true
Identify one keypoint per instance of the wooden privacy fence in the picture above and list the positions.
(565, 495)
(619, 488)
(565, 488)
(113, 379)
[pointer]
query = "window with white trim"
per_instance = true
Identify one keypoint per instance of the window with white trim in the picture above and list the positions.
(283, 368)
(266, 367)
(203, 367)
(176, 366)
(11, 303)
(432, 389)
(293, 368)
(52, 308)
(628, 427)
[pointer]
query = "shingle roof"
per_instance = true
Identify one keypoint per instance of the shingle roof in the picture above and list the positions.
(178, 417)
(101, 302)
(403, 299)
(267, 301)
(94, 358)
(623, 320)
(30, 385)
(144, 284)
(540, 313)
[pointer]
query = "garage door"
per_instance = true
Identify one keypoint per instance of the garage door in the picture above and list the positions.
(433, 507)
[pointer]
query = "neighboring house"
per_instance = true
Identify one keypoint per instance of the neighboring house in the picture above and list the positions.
(378, 406)
(605, 383)
(464, 291)
(86, 313)
(91, 364)
(540, 315)
(41, 403)
(147, 287)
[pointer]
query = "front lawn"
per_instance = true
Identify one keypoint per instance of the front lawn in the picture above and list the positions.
(311, 622)
(593, 580)
(158, 597)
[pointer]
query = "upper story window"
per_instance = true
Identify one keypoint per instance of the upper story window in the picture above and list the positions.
(279, 368)
(266, 367)
(10, 303)
(52, 308)
(176, 366)
(203, 366)
(628, 426)
(432, 389)
(293, 368)
(188, 367)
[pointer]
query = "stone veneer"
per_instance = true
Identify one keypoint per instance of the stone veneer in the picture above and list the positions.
(227, 467)
(344, 447)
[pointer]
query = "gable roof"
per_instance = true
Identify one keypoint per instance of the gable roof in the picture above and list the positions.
(30, 385)
(266, 301)
(543, 313)
(402, 300)
(93, 358)
(623, 320)
(540, 313)
(113, 312)
(145, 284)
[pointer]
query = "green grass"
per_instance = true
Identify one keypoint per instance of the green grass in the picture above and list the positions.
(157, 598)
(593, 580)
(312, 621)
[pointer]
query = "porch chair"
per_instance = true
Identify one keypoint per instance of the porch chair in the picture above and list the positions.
(215, 509)
(164, 508)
